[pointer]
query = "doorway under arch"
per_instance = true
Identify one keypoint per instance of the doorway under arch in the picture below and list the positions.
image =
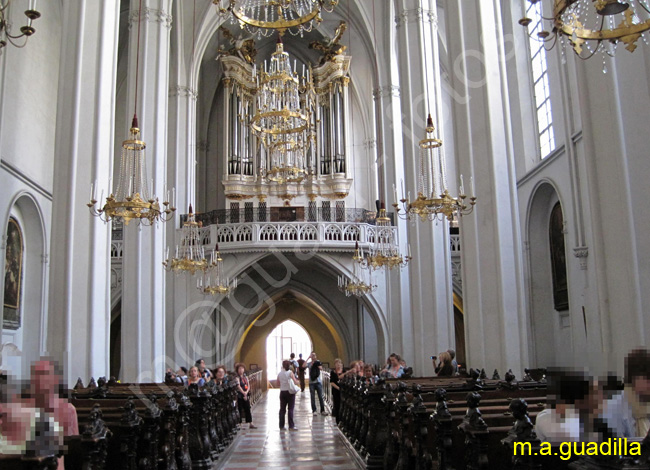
(288, 337)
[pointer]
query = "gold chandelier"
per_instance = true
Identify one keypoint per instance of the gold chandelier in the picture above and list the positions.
(591, 26)
(384, 252)
(356, 285)
(283, 121)
(25, 31)
(189, 255)
(133, 198)
(213, 281)
(433, 201)
(262, 17)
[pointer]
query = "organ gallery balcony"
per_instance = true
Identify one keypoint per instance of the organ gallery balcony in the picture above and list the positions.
(289, 229)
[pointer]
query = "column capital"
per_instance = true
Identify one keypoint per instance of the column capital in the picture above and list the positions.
(581, 252)
(151, 15)
(386, 91)
(415, 16)
(183, 91)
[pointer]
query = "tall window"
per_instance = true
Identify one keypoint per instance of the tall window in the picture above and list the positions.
(540, 81)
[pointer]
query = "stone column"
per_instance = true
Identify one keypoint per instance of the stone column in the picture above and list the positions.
(388, 119)
(493, 299)
(80, 269)
(421, 93)
(143, 291)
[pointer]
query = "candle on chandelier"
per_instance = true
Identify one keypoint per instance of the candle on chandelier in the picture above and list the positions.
(92, 185)
(462, 186)
(409, 250)
(403, 191)
(471, 184)
(167, 252)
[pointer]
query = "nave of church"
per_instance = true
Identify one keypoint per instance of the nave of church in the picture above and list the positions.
(412, 185)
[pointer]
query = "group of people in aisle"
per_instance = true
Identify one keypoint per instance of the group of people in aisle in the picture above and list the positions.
(200, 375)
(299, 370)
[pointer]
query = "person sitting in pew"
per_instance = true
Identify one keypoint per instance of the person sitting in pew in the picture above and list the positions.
(220, 375)
(394, 370)
(181, 375)
(575, 402)
(444, 367)
(627, 414)
(369, 374)
(203, 371)
(195, 377)
(25, 430)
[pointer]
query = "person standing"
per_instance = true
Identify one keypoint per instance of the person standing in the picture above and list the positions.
(243, 390)
(286, 397)
(302, 365)
(316, 383)
(335, 376)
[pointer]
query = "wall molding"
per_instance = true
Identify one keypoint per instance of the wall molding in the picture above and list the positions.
(12, 170)
(151, 15)
(183, 91)
(416, 15)
(387, 91)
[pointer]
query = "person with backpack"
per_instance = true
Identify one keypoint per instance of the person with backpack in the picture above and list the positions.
(316, 383)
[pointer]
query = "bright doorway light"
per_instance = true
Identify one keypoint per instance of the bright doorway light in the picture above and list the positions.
(288, 337)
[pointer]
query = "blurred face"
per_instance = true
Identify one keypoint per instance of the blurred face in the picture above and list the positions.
(240, 370)
(180, 372)
(194, 372)
(394, 362)
(221, 373)
(202, 364)
(44, 379)
(368, 372)
(338, 365)
(641, 386)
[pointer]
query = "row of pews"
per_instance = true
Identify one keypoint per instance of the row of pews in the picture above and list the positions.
(454, 423)
(149, 426)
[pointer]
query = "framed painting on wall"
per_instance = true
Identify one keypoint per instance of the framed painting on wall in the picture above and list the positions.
(13, 275)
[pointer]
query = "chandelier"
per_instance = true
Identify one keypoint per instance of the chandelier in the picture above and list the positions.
(262, 17)
(433, 201)
(591, 26)
(213, 281)
(189, 255)
(133, 198)
(283, 121)
(384, 251)
(25, 31)
(356, 285)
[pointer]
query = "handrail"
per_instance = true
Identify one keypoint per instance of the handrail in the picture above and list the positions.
(255, 382)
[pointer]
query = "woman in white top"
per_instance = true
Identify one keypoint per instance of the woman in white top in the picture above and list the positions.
(286, 398)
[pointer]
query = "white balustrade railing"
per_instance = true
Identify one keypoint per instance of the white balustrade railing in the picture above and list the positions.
(454, 245)
(291, 235)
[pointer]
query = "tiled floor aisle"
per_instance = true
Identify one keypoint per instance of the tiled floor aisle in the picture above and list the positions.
(317, 445)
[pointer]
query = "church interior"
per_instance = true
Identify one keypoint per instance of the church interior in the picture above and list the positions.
(238, 180)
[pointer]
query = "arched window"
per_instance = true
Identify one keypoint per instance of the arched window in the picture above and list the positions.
(539, 75)
(13, 275)
(558, 259)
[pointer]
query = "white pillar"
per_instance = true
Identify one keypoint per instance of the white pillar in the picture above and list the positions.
(80, 271)
(421, 93)
(143, 297)
(493, 299)
(389, 131)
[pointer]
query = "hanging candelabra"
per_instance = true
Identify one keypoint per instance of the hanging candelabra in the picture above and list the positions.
(213, 281)
(25, 31)
(433, 200)
(189, 255)
(589, 26)
(384, 250)
(356, 284)
(132, 198)
(263, 17)
(283, 121)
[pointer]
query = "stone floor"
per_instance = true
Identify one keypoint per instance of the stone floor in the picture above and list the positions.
(317, 445)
